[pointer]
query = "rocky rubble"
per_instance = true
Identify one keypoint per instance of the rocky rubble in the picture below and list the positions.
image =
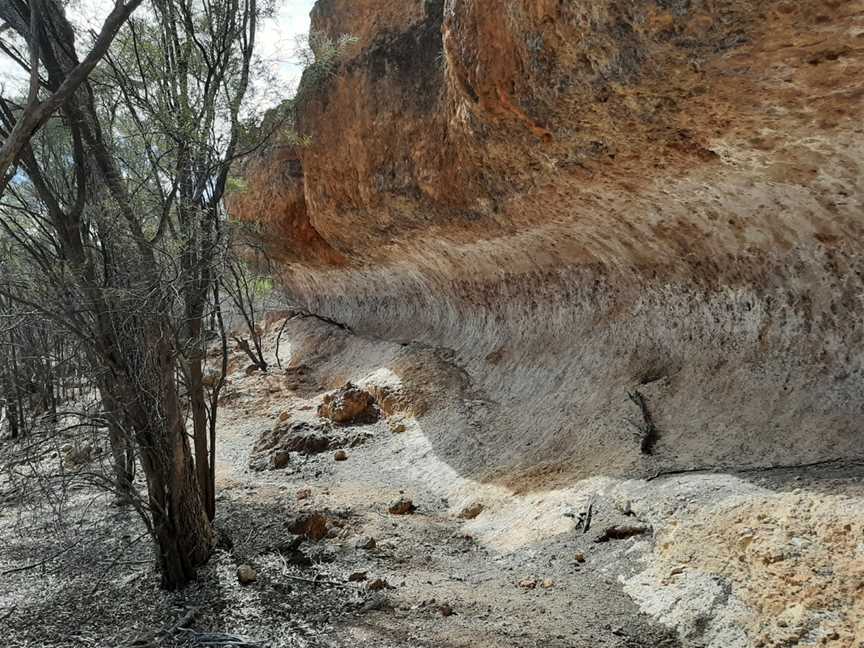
(349, 405)
(275, 447)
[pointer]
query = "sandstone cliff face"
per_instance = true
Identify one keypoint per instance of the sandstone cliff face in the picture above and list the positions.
(563, 202)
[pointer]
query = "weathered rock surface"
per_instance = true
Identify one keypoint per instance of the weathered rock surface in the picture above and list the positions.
(562, 202)
(273, 448)
(349, 405)
(402, 506)
(471, 511)
(313, 526)
(794, 558)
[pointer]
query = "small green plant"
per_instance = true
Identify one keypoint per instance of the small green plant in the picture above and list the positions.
(321, 55)
(236, 184)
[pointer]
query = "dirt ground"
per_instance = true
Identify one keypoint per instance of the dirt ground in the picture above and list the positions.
(771, 558)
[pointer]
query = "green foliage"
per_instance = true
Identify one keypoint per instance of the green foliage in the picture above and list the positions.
(321, 56)
(236, 184)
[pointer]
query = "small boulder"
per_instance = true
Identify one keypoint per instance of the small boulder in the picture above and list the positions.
(471, 511)
(378, 584)
(622, 532)
(303, 493)
(402, 506)
(445, 610)
(340, 455)
(349, 405)
(528, 583)
(246, 574)
(357, 577)
(547, 583)
(580, 557)
(284, 416)
(313, 526)
(280, 459)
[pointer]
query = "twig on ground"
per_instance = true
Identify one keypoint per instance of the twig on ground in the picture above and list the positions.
(315, 581)
(149, 640)
(43, 561)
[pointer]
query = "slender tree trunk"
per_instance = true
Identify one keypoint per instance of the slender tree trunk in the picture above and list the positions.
(122, 453)
(12, 415)
(203, 466)
(182, 530)
(17, 400)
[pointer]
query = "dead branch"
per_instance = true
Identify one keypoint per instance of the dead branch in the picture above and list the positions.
(584, 519)
(647, 430)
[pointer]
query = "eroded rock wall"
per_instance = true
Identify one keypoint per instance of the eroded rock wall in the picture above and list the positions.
(563, 202)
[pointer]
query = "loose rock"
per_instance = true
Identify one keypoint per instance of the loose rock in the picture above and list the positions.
(402, 506)
(246, 574)
(378, 584)
(528, 583)
(313, 526)
(622, 532)
(357, 577)
(340, 455)
(471, 511)
(349, 405)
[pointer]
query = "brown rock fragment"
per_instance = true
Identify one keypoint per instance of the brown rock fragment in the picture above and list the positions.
(402, 506)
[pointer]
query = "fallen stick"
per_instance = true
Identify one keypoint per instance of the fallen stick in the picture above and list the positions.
(149, 640)
(315, 581)
(43, 561)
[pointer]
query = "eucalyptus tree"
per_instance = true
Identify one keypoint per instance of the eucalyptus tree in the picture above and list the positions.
(117, 213)
(179, 79)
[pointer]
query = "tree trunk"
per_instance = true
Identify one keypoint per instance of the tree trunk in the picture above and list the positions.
(146, 390)
(122, 453)
(203, 466)
(183, 533)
